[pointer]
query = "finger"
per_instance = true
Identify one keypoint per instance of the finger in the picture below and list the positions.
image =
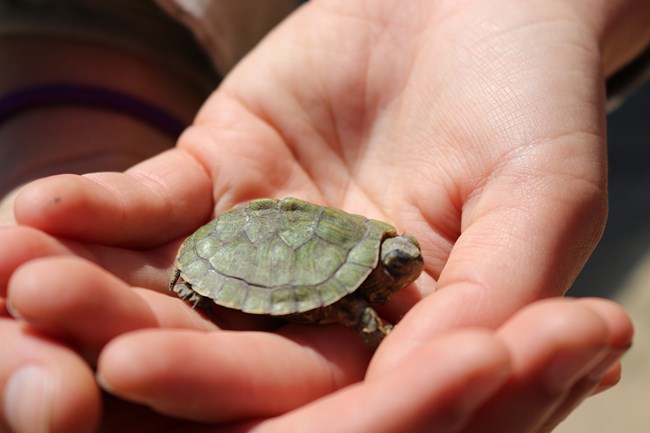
(520, 239)
(173, 313)
(77, 301)
(154, 202)
(4, 312)
(45, 386)
(436, 389)
(231, 375)
(7, 208)
(611, 378)
(146, 269)
(620, 326)
(87, 306)
(581, 390)
(555, 345)
(21, 244)
(608, 371)
(483, 285)
(507, 257)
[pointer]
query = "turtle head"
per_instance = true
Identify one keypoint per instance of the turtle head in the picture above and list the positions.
(401, 258)
(400, 262)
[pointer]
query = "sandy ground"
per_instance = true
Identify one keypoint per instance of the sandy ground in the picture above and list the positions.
(620, 270)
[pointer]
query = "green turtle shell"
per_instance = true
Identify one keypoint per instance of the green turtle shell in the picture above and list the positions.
(280, 257)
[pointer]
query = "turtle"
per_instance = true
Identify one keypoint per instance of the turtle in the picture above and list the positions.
(299, 261)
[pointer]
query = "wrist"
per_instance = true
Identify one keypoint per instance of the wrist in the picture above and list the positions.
(620, 28)
(617, 30)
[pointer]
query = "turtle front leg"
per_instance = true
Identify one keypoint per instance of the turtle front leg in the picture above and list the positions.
(353, 312)
(372, 328)
(356, 313)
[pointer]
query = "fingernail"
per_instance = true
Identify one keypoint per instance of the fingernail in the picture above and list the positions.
(12, 311)
(102, 382)
(28, 399)
(601, 368)
(568, 367)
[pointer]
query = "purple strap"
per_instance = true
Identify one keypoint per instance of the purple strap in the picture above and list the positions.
(90, 96)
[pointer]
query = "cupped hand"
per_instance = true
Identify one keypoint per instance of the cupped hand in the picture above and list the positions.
(474, 130)
(479, 132)
(161, 354)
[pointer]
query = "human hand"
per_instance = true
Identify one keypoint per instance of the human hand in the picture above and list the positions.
(492, 165)
(434, 117)
(526, 376)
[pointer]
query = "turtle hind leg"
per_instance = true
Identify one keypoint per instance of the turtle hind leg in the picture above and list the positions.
(176, 275)
(185, 292)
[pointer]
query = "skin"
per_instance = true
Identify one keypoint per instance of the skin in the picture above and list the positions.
(530, 364)
(491, 153)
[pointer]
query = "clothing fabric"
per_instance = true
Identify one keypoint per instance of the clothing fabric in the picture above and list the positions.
(228, 29)
(194, 38)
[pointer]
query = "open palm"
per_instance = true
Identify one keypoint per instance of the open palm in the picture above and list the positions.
(469, 128)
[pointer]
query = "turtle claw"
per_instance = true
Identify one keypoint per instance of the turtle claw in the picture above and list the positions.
(372, 328)
(188, 295)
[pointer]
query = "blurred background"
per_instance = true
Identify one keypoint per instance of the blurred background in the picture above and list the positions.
(620, 269)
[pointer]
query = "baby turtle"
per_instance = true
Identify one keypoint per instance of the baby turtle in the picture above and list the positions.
(304, 262)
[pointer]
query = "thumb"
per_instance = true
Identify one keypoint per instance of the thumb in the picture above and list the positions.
(520, 244)
(169, 194)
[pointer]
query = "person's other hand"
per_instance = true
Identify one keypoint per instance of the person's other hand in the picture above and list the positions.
(158, 353)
